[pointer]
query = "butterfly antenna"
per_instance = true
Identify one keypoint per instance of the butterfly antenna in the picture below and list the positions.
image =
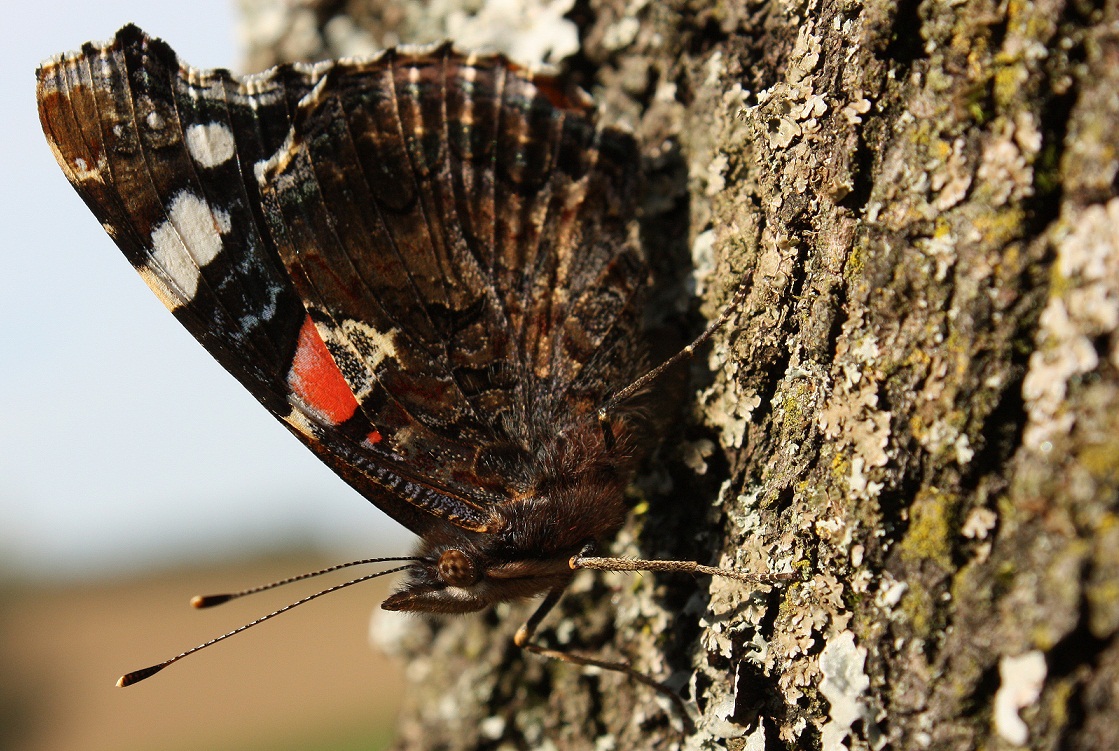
(138, 675)
(685, 567)
(209, 601)
(684, 354)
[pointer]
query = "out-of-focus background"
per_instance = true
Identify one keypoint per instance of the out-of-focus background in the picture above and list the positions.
(134, 473)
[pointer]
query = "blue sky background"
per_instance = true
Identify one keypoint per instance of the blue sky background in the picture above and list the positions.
(122, 443)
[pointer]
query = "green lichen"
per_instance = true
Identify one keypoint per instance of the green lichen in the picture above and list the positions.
(1047, 168)
(856, 261)
(920, 610)
(1000, 228)
(932, 528)
(1103, 600)
(925, 136)
(1101, 460)
(1059, 694)
(792, 408)
(1008, 81)
(1042, 637)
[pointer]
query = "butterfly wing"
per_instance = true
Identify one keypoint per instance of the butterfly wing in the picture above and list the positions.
(379, 250)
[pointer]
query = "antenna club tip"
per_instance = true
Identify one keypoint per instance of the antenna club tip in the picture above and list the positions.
(138, 675)
(209, 601)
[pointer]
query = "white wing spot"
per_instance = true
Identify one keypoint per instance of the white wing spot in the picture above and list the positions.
(211, 144)
(187, 241)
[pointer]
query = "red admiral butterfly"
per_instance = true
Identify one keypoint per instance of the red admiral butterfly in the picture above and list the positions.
(423, 263)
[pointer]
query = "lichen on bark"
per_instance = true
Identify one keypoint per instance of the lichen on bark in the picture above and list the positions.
(917, 407)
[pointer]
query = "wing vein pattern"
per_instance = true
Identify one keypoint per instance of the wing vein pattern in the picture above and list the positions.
(421, 262)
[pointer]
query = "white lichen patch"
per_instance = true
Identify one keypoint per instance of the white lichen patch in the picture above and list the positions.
(696, 453)
(1003, 169)
(890, 592)
(806, 54)
(347, 39)
(1021, 680)
(855, 109)
(978, 526)
(301, 38)
(529, 32)
(979, 523)
(727, 407)
(492, 727)
(731, 138)
(784, 113)
(703, 260)
(716, 720)
(621, 33)
(851, 416)
(715, 175)
(812, 609)
(263, 23)
(941, 248)
(951, 178)
(1027, 135)
(606, 742)
(943, 437)
(731, 612)
(755, 741)
(782, 132)
(1083, 308)
(845, 682)
(859, 484)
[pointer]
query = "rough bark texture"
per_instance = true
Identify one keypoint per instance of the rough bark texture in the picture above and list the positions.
(918, 407)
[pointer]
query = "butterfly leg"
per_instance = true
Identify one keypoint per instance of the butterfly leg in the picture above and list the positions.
(523, 639)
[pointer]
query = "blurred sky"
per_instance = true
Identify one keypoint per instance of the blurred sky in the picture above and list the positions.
(122, 442)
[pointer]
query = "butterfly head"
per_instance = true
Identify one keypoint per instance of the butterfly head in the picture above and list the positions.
(465, 579)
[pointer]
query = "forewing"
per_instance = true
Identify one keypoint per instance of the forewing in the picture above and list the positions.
(119, 119)
(165, 156)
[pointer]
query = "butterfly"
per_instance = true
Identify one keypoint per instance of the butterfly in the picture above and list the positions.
(423, 263)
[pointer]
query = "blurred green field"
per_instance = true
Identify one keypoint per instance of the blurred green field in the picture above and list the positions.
(306, 680)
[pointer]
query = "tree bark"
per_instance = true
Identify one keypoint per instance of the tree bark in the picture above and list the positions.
(917, 407)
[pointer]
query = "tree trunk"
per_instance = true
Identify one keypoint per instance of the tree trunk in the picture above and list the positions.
(917, 407)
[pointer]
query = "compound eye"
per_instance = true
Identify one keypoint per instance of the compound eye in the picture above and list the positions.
(456, 568)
